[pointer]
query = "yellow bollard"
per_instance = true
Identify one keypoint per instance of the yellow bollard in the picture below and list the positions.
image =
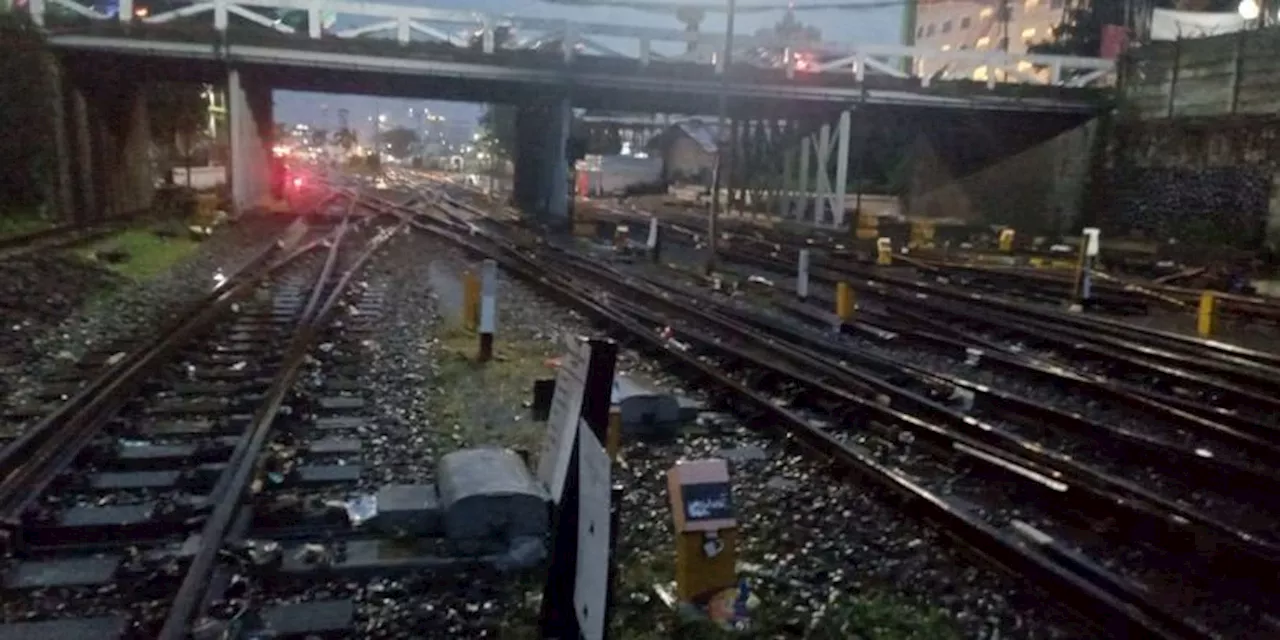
(470, 301)
(844, 301)
(1204, 315)
(1006, 240)
(613, 438)
(884, 251)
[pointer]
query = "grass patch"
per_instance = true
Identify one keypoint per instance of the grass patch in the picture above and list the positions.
(487, 404)
(23, 221)
(146, 252)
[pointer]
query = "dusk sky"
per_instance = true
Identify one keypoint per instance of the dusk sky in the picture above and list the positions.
(870, 26)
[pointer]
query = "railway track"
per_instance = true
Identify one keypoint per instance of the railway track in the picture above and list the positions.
(137, 508)
(1198, 377)
(1045, 518)
(58, 238)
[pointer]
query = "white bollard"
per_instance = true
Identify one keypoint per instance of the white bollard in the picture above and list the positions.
(802, 275)
(488, 308)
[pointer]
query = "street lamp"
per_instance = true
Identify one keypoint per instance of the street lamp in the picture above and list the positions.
(721, 126)
(1249, 9)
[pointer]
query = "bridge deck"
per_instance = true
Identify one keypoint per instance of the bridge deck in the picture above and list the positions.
(599, 82)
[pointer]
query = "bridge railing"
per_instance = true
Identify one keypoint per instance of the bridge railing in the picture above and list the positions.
(463, 28)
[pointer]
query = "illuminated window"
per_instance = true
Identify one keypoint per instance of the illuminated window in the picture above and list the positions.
(1023, 65)
(965, 22)
(946, 47)
(983, 42)
(986, 12)
(1028, 33)
(980, 73)
(1031, 4)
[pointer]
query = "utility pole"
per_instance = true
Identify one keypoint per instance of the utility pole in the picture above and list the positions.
(722, 127)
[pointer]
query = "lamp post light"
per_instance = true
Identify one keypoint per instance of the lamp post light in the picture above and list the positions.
(1249, 9)
(721, 129)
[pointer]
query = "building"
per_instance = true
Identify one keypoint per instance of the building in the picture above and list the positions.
(957, 25)
(688, 152)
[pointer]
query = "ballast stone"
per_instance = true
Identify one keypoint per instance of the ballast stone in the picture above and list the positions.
(488, 494)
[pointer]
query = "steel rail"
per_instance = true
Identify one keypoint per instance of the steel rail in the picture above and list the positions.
(1097, 605)
(31, 462)
(235, 480)
(1100, 493)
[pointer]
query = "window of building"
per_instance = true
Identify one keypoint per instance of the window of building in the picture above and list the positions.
(1031, 4)
(1028, 33)
(1055, 4)
(965, 21)
(920, 32)
(1023, 65)
(986, 12)
(946, 27)
(946, 47)
(980, 73)
(983, 42)
(929, 31)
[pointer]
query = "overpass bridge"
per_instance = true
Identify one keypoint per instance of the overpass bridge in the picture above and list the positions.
(547, 68)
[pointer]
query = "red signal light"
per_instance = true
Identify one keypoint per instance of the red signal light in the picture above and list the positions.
(297, 183)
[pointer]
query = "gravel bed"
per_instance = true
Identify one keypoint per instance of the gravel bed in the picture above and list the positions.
(129, 311)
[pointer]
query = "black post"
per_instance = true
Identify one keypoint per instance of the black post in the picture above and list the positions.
(544, 391)
(557, 617)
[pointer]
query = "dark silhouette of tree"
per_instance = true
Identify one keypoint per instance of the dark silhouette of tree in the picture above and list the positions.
(178, 113)
(345, 138)
(26, 95)
(399, 142)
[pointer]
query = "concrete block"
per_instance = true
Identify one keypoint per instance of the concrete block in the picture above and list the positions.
(409, 508)
(489, 494)
(645, 411)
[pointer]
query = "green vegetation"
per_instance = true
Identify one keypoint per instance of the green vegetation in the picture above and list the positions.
(485, 404)
(145, 252)
(23, 221)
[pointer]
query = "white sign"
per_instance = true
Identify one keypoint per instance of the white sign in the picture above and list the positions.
(566, 408)
(591, 584)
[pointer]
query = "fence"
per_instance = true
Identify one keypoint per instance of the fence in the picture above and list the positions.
(1236, 73)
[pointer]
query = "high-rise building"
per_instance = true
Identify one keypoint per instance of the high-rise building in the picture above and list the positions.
(952, 25)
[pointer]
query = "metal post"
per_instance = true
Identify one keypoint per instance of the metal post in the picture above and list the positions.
(488, 308)
(842, 169)
(726, 59)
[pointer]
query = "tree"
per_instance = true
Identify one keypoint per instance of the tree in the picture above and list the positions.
(498, 135)
(27, 154)
(399, 142)
(345, 138)
(178, 113)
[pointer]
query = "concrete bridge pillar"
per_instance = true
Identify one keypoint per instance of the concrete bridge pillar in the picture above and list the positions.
(103, 136)
(249, 129)
(542, 170)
